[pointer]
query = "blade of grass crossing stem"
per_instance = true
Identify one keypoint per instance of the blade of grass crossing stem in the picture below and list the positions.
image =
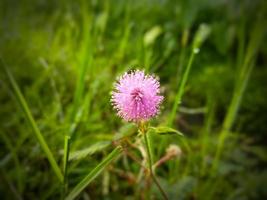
(65, 162)
(33, 124)
(94, 173)
(200, 37)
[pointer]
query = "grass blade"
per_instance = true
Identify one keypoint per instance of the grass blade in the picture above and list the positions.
(94, 173)
(253, 46)
(33, 124)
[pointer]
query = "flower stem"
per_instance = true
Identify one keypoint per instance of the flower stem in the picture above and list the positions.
(150, 167)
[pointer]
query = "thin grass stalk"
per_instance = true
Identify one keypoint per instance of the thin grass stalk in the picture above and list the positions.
(94, 173)
(36, 131)
(199, 38)
(181, 89)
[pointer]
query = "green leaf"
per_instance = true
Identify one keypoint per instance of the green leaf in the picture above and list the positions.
(125, 131)
(151, 35)
(94, 173)
(99, 146)
(164, 130)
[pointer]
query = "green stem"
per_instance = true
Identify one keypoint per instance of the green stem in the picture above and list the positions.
(150, 166)
(200, 36)
(94, 173)
(33, 124)
(181, 88)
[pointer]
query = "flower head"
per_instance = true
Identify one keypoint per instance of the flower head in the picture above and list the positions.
(136, 96)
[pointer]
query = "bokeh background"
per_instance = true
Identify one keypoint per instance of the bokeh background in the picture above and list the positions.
(65, 57)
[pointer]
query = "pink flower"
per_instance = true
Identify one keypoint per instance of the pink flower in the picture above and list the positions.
(136, 96)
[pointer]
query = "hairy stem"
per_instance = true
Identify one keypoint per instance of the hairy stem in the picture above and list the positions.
(150, 167)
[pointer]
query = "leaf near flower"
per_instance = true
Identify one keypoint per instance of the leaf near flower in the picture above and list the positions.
(164, 130)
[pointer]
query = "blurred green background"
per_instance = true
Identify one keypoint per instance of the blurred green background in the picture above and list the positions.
(65, 57)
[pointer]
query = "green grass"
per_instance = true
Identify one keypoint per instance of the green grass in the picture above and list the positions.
(33, 124)
(59, 60)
